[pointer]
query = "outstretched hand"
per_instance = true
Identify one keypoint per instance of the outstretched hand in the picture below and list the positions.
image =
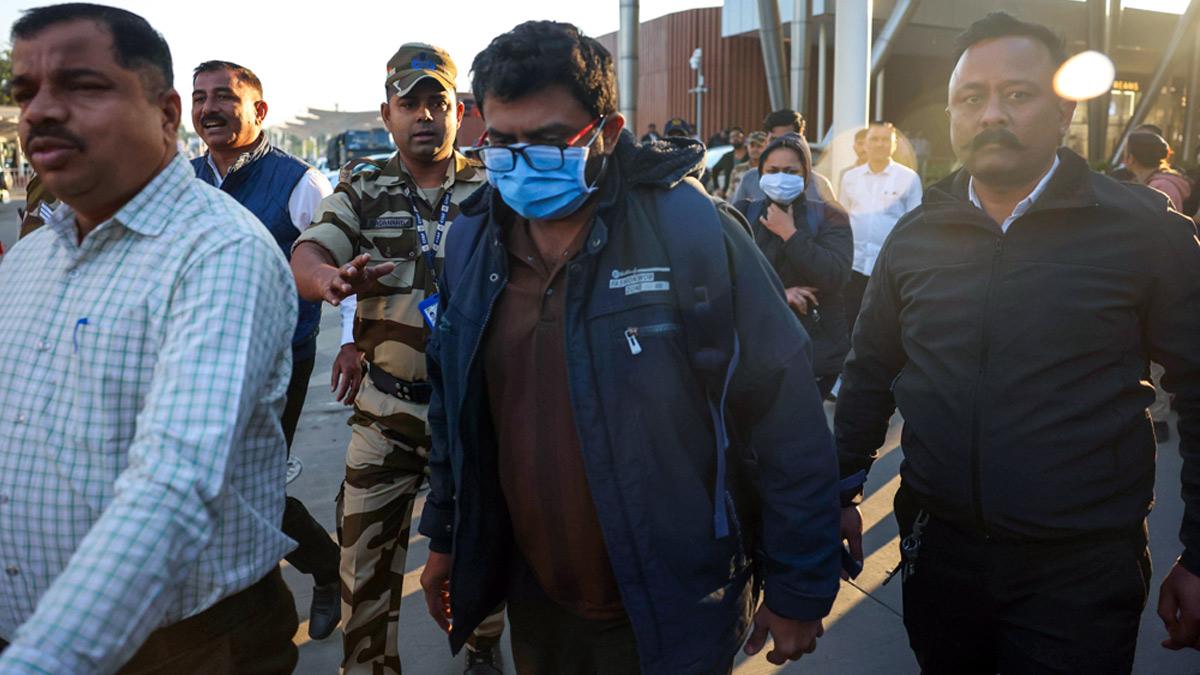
(352, 278)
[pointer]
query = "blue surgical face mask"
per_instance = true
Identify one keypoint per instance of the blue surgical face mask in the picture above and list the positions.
(782, 188)
(545, 194)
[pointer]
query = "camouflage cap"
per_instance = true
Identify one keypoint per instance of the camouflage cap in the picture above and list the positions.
(415, 61)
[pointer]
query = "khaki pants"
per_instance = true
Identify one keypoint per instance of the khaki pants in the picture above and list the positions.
(375, 509)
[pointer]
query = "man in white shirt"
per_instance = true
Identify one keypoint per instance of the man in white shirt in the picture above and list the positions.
(876, 195)
(228, 112)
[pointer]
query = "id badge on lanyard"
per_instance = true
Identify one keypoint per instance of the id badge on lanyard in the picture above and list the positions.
(429, 305)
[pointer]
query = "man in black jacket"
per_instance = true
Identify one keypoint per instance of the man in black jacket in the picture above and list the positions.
(1012, 318)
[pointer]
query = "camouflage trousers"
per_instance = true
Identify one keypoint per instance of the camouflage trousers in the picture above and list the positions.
(383, 476)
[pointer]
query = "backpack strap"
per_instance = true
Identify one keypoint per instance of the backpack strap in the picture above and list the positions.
(691, 231)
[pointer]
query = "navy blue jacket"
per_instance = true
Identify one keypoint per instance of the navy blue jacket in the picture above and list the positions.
(263, 184)
(646, 434)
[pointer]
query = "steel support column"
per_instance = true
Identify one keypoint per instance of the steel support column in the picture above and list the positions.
(1193, 104)
(1099, 39)
(770, 36)
(799, 55)
(886, 40)
(851, 78)
(1186, 23)
(822, 85)
(627, 64)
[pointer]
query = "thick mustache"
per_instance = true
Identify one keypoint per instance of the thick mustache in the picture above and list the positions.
(56, 132)
(212, 117)
(1002, 137)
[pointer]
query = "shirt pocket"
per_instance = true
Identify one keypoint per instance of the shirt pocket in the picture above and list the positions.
(112, 362)
(111, 367)
(401, 247)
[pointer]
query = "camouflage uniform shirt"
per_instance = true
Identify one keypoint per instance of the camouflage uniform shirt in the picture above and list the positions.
(370, 212)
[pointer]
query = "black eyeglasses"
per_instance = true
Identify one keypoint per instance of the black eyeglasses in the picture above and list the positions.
(503, 158)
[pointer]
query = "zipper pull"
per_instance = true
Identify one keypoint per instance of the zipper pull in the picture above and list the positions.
(635, 347)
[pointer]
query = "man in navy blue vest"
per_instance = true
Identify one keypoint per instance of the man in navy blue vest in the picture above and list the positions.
(284, 192)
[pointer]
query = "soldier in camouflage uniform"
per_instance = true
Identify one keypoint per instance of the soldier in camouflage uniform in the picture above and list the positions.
(376, 236)
(39, 203)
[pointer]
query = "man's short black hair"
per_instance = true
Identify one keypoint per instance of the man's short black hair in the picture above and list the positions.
(784, 118)
(1152, 128)
(737, 129)
(539, 54)
(136, 45)
(1002, 24)
(244, 74)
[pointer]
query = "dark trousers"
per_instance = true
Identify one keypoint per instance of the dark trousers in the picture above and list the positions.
(979, 605)
(550, 640)
(249, 633)
(316, 554)
(854, 290)
(297, 391)
(825, 384)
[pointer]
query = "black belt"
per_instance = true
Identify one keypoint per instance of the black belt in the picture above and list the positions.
(416, 392)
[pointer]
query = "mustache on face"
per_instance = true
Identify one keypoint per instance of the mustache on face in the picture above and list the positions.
(212, 117)
(55, 131)
(998, 135)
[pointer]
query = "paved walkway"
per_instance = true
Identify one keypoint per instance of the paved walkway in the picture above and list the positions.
(863, 635)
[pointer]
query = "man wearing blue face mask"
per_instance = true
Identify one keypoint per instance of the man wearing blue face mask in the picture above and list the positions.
(810, 246)
(611, 471)
(380, 235)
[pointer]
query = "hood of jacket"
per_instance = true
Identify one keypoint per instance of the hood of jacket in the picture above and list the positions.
(662, 164)
(1176, 180)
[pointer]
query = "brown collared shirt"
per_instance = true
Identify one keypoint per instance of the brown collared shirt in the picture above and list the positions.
(541, 462)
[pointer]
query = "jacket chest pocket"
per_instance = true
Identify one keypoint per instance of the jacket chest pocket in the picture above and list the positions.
(641, 341)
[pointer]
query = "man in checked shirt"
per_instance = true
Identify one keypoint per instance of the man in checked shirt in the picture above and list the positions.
(145, 336)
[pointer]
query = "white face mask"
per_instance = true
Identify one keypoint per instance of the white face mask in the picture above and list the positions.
(782, 188)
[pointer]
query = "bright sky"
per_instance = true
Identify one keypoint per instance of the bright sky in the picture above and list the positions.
(335, 53)
(321, 54)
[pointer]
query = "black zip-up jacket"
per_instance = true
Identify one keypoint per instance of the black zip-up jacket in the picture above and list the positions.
(1019, 361)
(818, 255)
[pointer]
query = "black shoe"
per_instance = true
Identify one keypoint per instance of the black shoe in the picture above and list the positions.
(483, 662)
(326, 610)
(1162, 431)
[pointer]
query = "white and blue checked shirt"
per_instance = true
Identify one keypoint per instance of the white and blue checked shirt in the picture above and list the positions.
(142, 376)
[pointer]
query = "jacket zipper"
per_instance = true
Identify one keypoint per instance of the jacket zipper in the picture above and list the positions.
(632, 333)
(976, 425)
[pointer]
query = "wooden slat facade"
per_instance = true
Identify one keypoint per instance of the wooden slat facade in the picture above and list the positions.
(732, 67)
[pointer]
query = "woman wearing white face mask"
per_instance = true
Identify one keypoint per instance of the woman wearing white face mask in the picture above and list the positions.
(810, 246)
